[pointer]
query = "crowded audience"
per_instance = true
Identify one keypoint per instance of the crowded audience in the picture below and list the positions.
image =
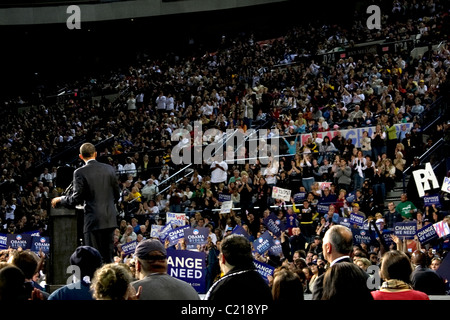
(278, 85)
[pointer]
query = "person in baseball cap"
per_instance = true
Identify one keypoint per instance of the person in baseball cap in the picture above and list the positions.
(151, 270)
(84, 261)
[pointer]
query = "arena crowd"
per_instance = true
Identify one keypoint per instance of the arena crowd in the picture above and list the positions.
(277, 84)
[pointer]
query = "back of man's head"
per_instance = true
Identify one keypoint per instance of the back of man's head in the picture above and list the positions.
(25, 261)
(88, 259)
(419, 258)
(341, 239)
(12, 286)
(152, 256)
(87, 150)
(237, 251)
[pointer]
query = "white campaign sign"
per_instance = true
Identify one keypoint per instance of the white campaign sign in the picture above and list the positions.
(423, 177)
(280, 193)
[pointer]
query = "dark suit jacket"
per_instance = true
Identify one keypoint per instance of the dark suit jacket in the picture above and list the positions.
(95, 185)
(428, 281)
(318, 285)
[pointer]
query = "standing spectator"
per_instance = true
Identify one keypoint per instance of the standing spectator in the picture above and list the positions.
(396, 272)
(392, 216)
(423, 278)
(219, 169)
(359, 167)
(366, 144)
(406, 208)
(345, 281)
(241, 282)
(161, 103)
(151, 268)
(343, 175)
(391, 141)
(378, 142)
(131, 103)
(337, 246)
(287, 286)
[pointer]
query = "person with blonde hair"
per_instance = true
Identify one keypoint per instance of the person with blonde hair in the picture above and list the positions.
(113, 282)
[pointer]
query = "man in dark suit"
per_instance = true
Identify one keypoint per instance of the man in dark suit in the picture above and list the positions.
(241, 281)
(337, 245)
(425, 279)
(96, 186)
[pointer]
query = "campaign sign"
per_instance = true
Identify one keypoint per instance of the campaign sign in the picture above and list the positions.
(427, 234)
(280, 193)
(224, 197)
(446, 185)
(321, 208)
(188, 266)
(362, 236)
(386, 234)
(276, 249)
(405, 230)
(275, 225)
(165, 232)
(196, 236)
(155, 230)
(34, 233)
(298, 197)
(3, 241)
(264, 270)
(291, 221)
(226, 206)
(178, 219)
(175, 235)
(441, 228)
(263, 243)
(240, 231)
(356, 219)
(343, 221)
(18, 240)
(40, 243)
(430, 200)
(129, 247)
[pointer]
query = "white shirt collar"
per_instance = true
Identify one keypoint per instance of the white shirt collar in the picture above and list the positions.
(338, 259)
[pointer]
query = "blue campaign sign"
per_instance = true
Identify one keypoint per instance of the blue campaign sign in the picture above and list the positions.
(175, 235)
(264, 270)
(224, 197)
(405, 230)
(241, 231)
(362, 236)
(430, 200)
(343, 221)
(129, 247)
(276, 249)
(300, 196)
(196, 236)
(322, 208)
(291, 221)
(18, 240)
(40, 243)
(356, 219)
(188, 266)
(263, 243)
(3, 241)
(275, 225)
(427, 234)
(165, 232)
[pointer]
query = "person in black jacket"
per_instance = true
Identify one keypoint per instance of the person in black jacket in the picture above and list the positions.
(96, 186)
(337, 245)
(241, 282)
(423, 278)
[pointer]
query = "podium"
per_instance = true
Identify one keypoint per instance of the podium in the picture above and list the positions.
(64, 232)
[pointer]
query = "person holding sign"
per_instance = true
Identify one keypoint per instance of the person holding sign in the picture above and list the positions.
(241, 281)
